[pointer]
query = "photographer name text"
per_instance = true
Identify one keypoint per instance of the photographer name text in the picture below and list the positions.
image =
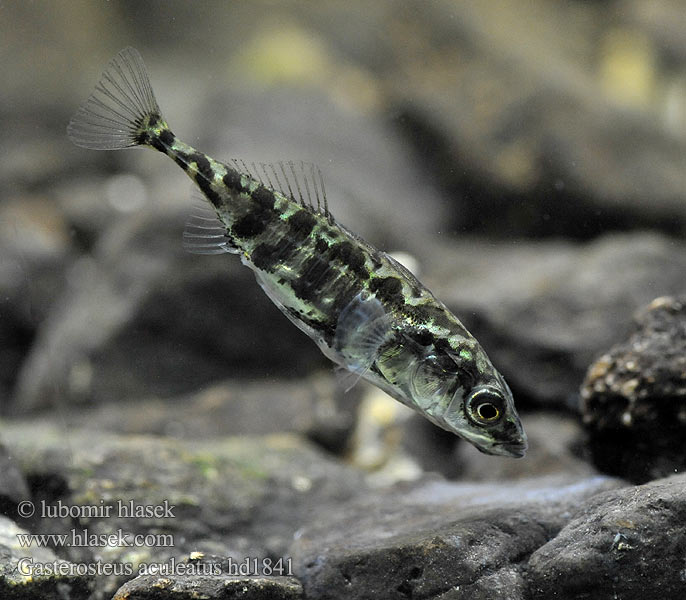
(121, 510)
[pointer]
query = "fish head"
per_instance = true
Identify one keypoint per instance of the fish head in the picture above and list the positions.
(472, 401)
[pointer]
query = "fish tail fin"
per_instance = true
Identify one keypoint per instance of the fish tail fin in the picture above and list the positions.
(122, 111)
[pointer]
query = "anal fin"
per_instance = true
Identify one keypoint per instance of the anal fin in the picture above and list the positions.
(206, 234)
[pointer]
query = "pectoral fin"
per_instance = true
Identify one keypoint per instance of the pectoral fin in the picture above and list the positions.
(363, 328)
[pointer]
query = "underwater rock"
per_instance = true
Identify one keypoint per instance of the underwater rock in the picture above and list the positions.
(211, 587)
(208, 577)
(627, 543)
(28, 573)
(544, 310)
(588, 140)
(634, 397)
(235, 496)
(35, 249)
(314, 407)
(144, 317)
(463, 540)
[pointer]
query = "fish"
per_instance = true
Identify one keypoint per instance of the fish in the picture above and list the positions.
(366, 312)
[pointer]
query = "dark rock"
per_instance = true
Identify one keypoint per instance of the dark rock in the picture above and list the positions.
(212, 587)
(35, 249)
(436, 539)
(634, 397)
(543, 311)
(314, 407)
(208, 577)
(626, 543)
(235, 496)
(33, 573)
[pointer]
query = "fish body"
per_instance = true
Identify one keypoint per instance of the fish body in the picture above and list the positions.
(365, 311)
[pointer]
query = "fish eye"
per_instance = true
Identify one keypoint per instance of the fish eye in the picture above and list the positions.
(485, 407)
(487, 411)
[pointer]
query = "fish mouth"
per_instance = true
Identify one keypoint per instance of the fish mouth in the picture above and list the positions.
(511, 449)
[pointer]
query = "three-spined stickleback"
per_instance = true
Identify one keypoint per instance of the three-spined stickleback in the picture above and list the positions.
(365, 311)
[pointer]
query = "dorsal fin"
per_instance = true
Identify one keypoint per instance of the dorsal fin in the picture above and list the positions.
(300, 182)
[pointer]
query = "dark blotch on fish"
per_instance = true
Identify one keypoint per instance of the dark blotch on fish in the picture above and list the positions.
(389, 289)
(232, 180)
(321, 245)
(264, 198)
(157, 144)
(204, 177)
(265, 256)
(203, 165)
(258, 219)
(167, 137)
(316, 273)
(301, 224)
(351, 256)
(442, 345)
(250, 225)
(423, 337)
(206, 187)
